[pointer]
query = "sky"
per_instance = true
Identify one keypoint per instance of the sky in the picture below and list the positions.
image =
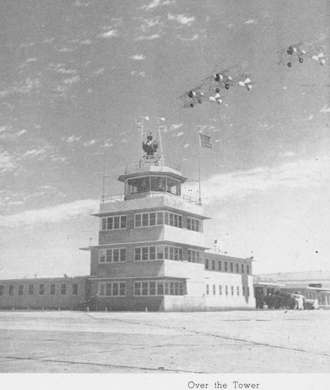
(76, 74)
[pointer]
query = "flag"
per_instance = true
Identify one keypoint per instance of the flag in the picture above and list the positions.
(205, 141)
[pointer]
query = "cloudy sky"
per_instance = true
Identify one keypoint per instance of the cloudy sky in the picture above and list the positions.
(75, 75)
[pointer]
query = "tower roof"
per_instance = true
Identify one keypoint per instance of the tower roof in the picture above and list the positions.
(151, 169)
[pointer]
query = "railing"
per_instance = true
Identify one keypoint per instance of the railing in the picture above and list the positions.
(121, 197)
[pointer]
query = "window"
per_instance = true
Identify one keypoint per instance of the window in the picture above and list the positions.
(242, 268)
(31, 289)
(214, 289)
(122, 288)
(138, 219)
(104, 224)
(112, 289)
(158, 183)
(122, 254)
(213, 265)
(20, 290)
(152, 253)
(102, 256)
(207, 289)
(145, 288)
(247, 269)
(109, 255)
(114, 223)
(219, 265)
(115, 255)
(137, 256)
(160, 218)
(173, 186)
(159, 287)
(11, 290)
(220, 289)
(237, 290)
(152, 288)
(193, 224)
(2, 289)
(145, 253)
(112, 255)
(75, 289)
(139, 185)
(137, 288)
(226, 289)
(152, 219)
(231, 267)
(207, 263)
(115, 289)
(226, 266)
(160, 252)
(237, 268)
(123, 221)
(63, 289)
(41, 289)
(173, 219)
(145, 219)
(52, 289)
(232, 290)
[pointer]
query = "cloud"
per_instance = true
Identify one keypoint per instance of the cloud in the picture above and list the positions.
(54, 214)
(109, 34)
(192, 38)
(147, 37)
(157, 3)
(294, 175)
(325, 109)
(250, 21)
(35, 153)
(138, 74)
(7, 162)
(182, 19)
(89, 143)
(138, 57)
(71, 139)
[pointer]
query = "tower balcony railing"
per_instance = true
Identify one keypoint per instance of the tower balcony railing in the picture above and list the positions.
(121, 197)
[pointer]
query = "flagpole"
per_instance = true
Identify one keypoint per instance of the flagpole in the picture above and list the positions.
(199, 171)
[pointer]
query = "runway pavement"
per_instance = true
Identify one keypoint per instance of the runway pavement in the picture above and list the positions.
(207, 342)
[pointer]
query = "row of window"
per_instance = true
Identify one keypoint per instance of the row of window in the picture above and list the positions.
(114, 223)
(112, 289)
(233, 291)
(150, 219)
(227, 266)
(41, 289)
(112, 255)
(193, 256)
(141, 288)
(153, 183)
(158, 287)
(157, 218)
(146, 253)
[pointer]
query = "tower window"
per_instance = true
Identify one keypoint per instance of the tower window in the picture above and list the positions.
(31, 289)
(114, 223)
(41, 289)
(20, 290)
(52, 289)
(75, 289)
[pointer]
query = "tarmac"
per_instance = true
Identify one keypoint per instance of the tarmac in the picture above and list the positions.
(200, 342)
